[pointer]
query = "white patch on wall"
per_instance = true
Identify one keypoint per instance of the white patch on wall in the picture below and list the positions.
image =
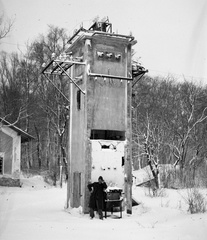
(107, 161)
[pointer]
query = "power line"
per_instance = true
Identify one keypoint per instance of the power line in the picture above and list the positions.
(150, 70)
(177, 74)
(16, 44)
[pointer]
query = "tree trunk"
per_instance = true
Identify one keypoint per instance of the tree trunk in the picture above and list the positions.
(155, 171)
(38, 147)
(63, 153)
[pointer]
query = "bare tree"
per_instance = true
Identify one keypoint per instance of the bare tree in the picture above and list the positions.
(190, 112)
(16, 94)
(169, 121)
(52, 133)
(149, 130)
(12, 107)
(5, 26)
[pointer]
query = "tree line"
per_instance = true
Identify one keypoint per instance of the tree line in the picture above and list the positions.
(169, 128)
(168, 117)
(32, 103)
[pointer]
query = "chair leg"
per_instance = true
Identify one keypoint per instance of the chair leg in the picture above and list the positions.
(120, 211)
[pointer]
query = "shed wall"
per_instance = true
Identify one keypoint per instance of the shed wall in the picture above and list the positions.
(6, 146)
(11, 145)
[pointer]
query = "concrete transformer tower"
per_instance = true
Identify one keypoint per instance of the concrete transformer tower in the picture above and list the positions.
(99, 66)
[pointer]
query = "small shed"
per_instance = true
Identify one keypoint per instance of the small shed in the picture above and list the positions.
(11, 138)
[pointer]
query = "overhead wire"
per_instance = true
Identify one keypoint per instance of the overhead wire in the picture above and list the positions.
(177, 74)
(150, 70)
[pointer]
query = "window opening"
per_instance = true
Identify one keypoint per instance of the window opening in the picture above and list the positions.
(122, 161)
(107, 134)
(111, 147)
(105, 146)
(1, 165)
(78, 99)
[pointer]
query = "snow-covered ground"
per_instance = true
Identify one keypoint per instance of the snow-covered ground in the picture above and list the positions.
(36, 211)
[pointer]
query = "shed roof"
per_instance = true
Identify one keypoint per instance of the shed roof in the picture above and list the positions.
(25, 137)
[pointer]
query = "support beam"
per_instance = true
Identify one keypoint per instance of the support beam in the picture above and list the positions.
(70, 77)
(56, 87)
(109, 76)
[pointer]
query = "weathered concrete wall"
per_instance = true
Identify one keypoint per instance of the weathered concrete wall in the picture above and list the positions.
(77, 131)
(106, 97)
(106, 65)
(77, 147)
(106, 104)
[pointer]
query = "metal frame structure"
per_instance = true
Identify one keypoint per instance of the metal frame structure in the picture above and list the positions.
(65, 61)
(60, 67)
(109, 76)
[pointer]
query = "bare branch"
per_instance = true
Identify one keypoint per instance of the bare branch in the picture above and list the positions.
(19, 117)
(192, 110)
(5, 26)
(201, 119)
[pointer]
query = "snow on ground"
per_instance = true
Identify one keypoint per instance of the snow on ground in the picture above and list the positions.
(36, 211)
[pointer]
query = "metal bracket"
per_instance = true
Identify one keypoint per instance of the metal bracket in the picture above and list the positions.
(109, 76)
(56, 87)
(60, 67)
(70, 77)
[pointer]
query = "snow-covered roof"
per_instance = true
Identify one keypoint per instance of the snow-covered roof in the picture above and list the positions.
(25, 137)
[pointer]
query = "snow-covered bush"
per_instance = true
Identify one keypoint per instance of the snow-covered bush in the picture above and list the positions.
(196, 201)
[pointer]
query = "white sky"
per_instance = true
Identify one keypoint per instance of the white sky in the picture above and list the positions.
(171, 34)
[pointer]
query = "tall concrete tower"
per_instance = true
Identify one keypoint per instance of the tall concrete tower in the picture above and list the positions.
(99, 66)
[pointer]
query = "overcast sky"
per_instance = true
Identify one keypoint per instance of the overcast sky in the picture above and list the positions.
(171, 34)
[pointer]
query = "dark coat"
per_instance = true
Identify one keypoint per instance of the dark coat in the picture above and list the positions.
(98, 195)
